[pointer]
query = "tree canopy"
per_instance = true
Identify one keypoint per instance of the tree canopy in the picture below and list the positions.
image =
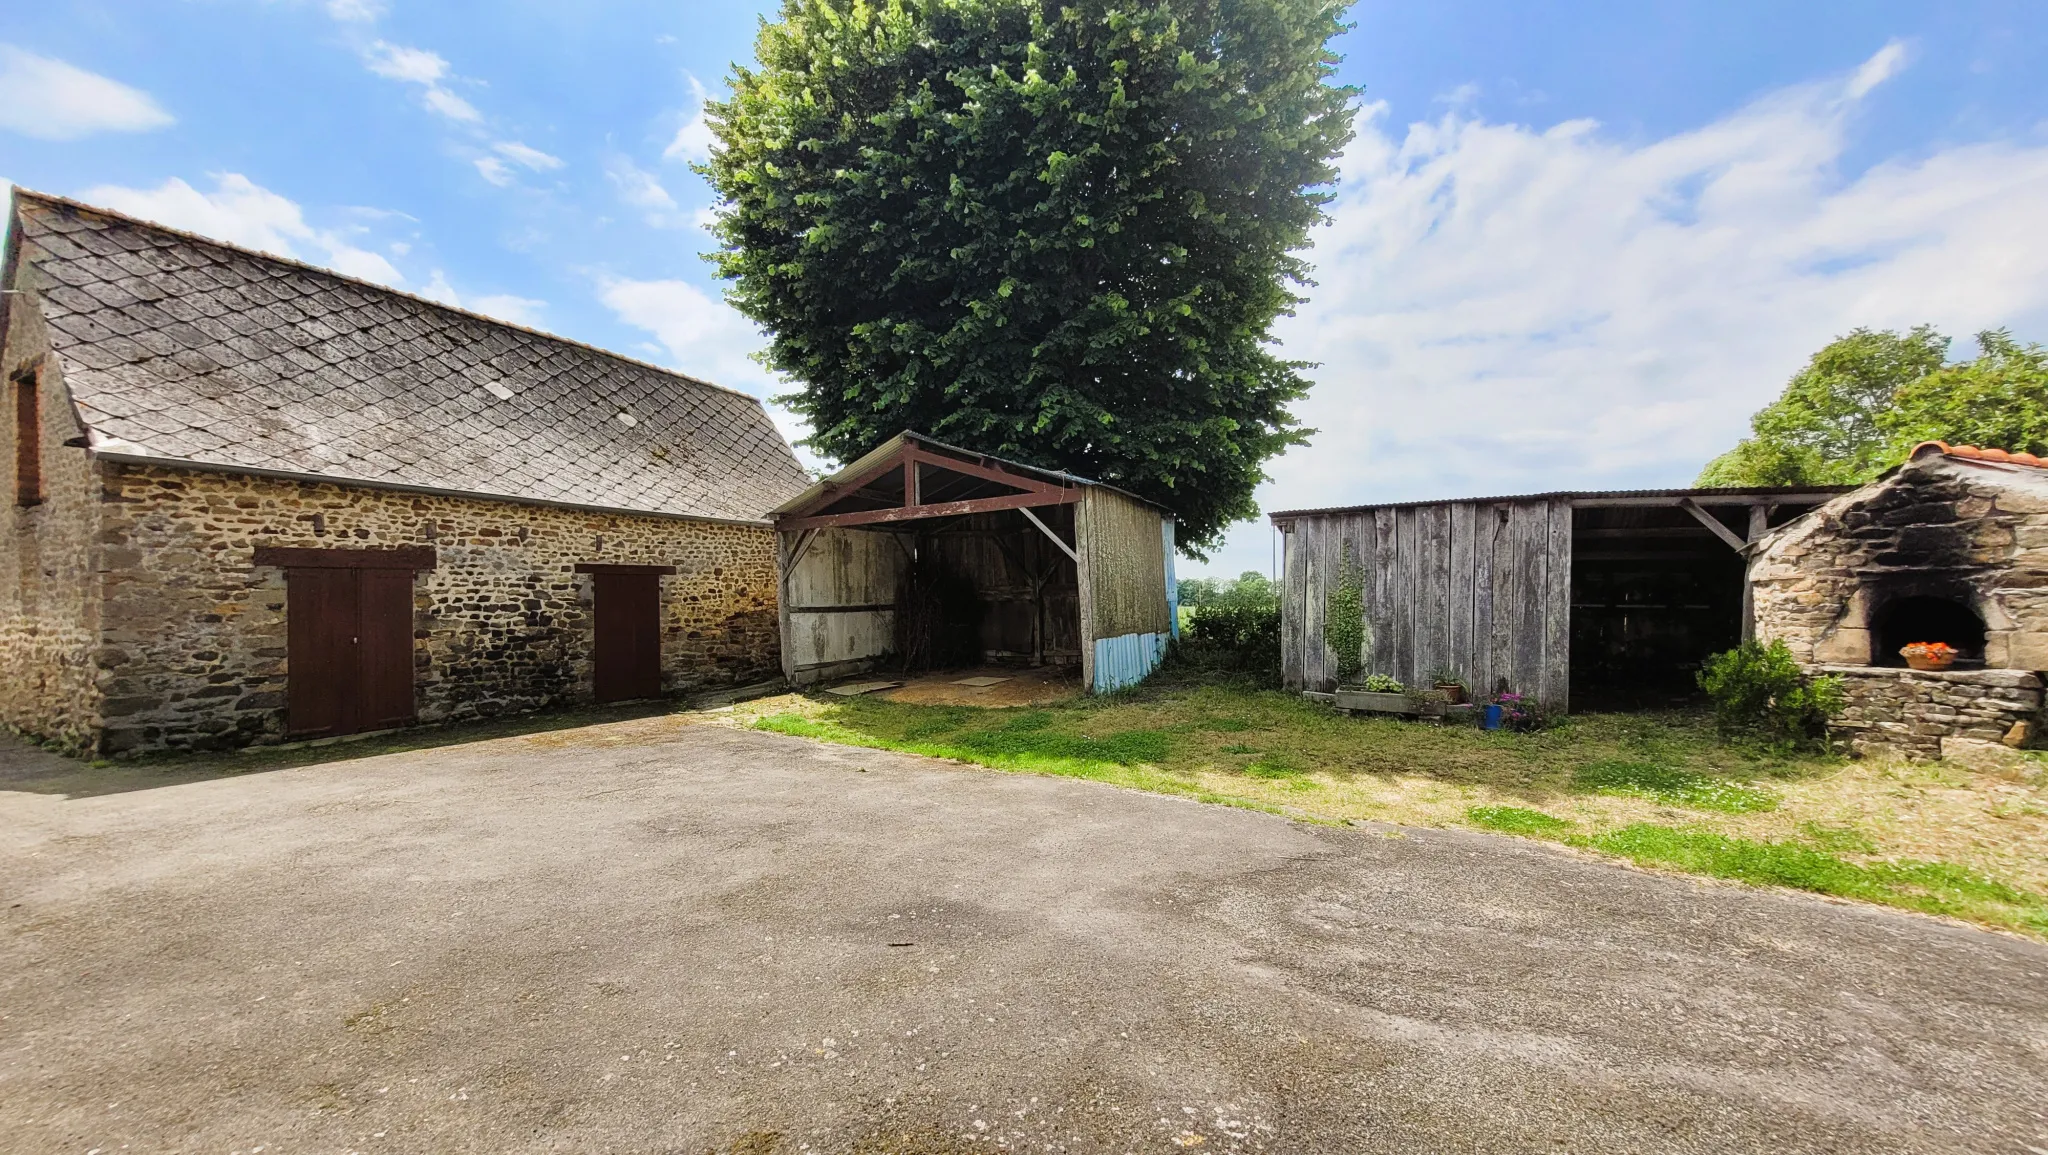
(1866, 399)
(1052, 230)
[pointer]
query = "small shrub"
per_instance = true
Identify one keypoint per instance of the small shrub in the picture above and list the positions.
(1382, 684)
(1759, 689)
(1517, 820)
(1238, 628)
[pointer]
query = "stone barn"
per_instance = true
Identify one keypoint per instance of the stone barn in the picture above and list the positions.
(1950, 547)
(251, 500)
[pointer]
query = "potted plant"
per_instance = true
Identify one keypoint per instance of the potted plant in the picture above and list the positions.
(1450, 684)
(1428, 703)
(1379, 693)
(1928, 655)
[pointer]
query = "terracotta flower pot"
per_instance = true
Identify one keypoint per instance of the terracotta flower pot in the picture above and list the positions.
(1926, 656)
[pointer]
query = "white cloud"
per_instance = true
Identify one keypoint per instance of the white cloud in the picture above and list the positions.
(642, 190)
(1887, 63)
(355, 11)
(494, 170)
(244, 213)
(424, 68)
(526, 156)
(694, 140)
(504, 306)
(637, 186)
(1503, 310)
(450, 105)
(51, 100)
(412, 65)
(706, 338)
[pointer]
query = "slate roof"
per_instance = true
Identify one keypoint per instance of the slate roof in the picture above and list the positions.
(186, 350)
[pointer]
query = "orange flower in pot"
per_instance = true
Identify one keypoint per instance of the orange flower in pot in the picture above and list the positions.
(1929, 655)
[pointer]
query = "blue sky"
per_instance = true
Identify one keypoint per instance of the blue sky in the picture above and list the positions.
(1576, 244)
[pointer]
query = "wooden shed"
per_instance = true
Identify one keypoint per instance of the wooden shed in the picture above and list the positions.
(1614, 597)
(928, 556)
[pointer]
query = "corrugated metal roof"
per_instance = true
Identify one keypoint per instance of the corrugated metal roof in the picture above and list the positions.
(868, 461)
(1701, 496)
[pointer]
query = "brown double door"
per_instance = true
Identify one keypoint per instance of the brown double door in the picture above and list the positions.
(351, 649)
(628, 643)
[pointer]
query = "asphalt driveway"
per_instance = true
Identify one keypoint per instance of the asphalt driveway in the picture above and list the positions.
(658, 937)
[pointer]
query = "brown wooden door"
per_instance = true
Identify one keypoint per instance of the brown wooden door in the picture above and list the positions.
(385, 655)
(628, 643)
(322, 615)
(350, 657)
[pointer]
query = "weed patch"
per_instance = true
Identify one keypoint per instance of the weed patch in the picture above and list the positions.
(1673, 786)
(1517, 820)
(1273, 766)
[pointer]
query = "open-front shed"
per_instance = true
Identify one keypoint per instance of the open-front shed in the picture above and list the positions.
(1607, 597)
(928, 556)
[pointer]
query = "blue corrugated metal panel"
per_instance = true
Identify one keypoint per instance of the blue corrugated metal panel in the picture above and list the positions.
(1172, 586)
(1126, 660)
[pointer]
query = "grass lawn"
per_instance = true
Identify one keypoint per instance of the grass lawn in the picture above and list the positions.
(1658, 790)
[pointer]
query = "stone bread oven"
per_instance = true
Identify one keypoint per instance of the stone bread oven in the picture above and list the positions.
(1950, 547)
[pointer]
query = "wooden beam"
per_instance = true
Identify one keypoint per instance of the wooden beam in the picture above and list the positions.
(603, 567)
(943, 509)
(1667, 502)
(403, 557)
(799, 547)
(876, 608)
(985, 472)
(1047, 531)
(1713, 523)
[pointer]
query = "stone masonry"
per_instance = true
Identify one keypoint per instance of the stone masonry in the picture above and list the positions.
(1959, 524)
(192, 647)
(1978, 528)
(1910, 712)
(194, 402)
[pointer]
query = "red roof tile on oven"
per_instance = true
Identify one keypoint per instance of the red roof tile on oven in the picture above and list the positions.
(1975, 453)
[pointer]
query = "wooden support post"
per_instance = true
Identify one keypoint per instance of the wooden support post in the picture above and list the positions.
(1047, 531)
(1713, 523)
(910, 486)
(1759, 524)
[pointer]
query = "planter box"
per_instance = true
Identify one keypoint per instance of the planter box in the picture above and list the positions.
(1376, 703)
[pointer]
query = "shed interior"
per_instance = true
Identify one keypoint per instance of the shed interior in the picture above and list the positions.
(1656, 591)
(919, 566)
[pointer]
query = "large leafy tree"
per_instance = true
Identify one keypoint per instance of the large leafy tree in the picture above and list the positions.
(1999, 400)
(1863, 401)
(1055, 230)
(1825, 428)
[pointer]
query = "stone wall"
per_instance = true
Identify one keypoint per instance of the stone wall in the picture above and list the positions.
(1979, 528)
(48, 603)
(193, 652)
(1908, 713)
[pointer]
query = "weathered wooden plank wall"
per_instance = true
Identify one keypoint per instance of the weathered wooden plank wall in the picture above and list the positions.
(1122, 551)
(1482, 589)
(841, 568)
(1025, 584)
